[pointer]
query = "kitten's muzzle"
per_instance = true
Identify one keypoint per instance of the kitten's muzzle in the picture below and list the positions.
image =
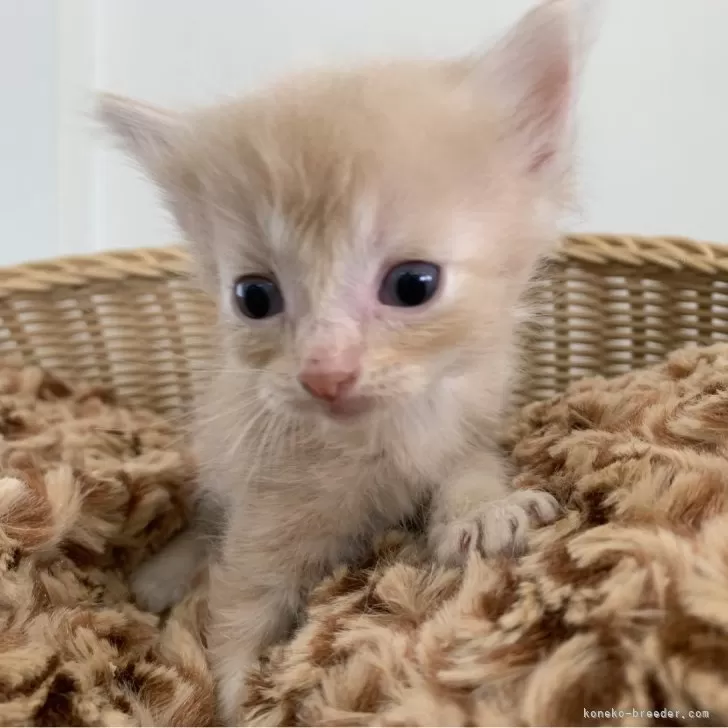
(328, 385)
(329, 374)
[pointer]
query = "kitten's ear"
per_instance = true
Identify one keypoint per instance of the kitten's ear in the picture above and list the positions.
(158, 141)
(147, 133)
(533, 73)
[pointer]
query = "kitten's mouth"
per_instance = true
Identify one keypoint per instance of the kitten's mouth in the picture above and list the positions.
(344, 409)
(348, 407)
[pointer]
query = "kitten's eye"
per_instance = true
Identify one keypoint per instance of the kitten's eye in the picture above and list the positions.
(410, 284)
(258, 297)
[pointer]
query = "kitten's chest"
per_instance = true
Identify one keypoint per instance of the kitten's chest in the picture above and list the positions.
(378, 488)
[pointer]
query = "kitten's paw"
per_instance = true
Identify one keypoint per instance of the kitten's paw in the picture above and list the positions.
(496, 527)
(156, 589)
(163, 580)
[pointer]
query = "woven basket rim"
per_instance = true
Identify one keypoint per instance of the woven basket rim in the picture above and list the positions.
(669, 252)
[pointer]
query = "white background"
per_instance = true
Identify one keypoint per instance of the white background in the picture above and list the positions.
(654, 116)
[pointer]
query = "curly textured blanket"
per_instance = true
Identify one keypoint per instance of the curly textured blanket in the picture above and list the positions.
(618, 615)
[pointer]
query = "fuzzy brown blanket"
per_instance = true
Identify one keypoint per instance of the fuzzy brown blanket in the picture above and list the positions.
(619, 614)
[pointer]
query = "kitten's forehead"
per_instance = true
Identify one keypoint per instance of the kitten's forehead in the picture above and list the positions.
(329, 161)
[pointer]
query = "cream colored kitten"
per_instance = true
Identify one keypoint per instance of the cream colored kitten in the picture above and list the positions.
(368, 235)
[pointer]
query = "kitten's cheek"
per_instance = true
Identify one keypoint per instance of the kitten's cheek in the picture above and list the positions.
(286, 396)
(273, 393)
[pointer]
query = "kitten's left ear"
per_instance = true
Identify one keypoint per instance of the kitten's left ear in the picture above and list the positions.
(533, 73)
(147, 133)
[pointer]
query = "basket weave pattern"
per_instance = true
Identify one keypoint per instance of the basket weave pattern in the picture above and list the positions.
(133, 321)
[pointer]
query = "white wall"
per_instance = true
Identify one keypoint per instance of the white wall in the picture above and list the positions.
(654, 111)
(28, 140)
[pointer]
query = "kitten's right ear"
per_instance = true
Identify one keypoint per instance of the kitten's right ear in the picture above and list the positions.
(147, 133)
(157, 140)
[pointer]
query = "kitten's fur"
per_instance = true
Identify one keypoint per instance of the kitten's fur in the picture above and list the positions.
(325, 181)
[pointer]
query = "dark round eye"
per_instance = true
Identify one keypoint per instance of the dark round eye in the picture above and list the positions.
(410, 284)
(258, 297)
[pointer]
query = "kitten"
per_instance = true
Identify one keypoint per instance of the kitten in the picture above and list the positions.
(368, 235)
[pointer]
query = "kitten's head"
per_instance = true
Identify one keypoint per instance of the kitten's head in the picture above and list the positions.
(368, 233)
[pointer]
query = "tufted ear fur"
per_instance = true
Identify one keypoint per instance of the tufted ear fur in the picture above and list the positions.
(159, 141)
(147, 133)
(533, 72)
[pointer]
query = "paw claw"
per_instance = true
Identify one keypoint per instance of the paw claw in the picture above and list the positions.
(465, 540)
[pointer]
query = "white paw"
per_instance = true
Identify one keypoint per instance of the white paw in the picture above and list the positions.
(496, 527)
(154, 590)
(163, 580)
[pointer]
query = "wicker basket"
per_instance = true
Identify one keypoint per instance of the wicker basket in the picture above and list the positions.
(132, 321)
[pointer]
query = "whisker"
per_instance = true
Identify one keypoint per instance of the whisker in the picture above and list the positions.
(245, 431)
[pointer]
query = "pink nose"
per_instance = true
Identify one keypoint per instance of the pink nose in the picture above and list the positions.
(328, 384)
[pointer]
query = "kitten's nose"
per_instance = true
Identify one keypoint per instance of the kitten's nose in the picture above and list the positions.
(328, 383)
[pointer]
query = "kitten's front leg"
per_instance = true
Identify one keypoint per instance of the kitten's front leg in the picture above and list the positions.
(474, 510)
(254, 597)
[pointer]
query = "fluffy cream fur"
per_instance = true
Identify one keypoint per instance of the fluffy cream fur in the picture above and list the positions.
(324, 181)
